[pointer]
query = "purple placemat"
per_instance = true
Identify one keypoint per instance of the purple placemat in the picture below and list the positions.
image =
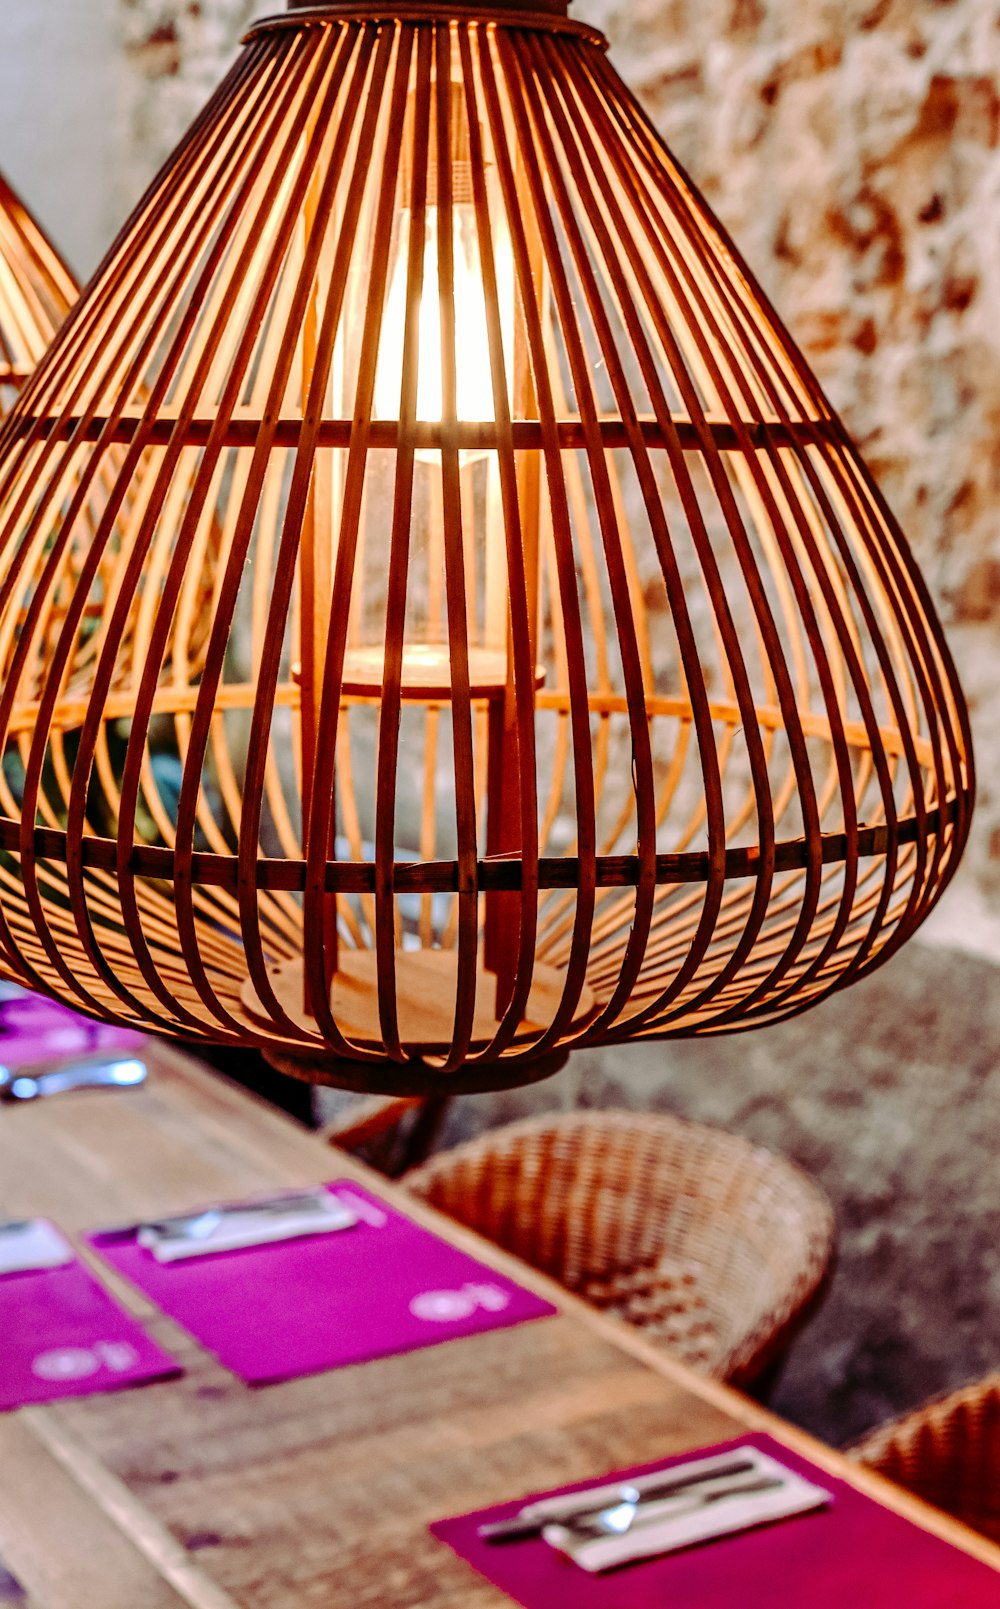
(11, 1590)
(854, 1555)
(34, 1030)
(300, 1306)
(62, 1335)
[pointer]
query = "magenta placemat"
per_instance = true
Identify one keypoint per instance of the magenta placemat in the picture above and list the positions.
(853, 1555)
(11, 1590)
(62, 1335)
(300, 1306)
(34, 1030)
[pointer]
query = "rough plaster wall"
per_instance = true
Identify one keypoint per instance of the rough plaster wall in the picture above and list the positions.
(60, 88)
(94, 94)
(175, 53)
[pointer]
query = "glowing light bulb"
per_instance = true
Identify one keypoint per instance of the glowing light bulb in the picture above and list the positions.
(473, 369)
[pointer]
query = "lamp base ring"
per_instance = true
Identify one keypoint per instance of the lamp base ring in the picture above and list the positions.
(424, 988)
(417, 1077)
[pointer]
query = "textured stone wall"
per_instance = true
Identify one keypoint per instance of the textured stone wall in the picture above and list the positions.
(851, 146)
(174, 54)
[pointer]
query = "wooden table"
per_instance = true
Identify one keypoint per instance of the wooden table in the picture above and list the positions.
(200, 1492)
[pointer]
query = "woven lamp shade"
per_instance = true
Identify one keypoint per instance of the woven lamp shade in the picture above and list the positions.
(490, 641)
(37, 290)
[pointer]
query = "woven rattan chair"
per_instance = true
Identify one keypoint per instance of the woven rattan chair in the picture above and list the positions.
(947, 1452)
(714, 1247)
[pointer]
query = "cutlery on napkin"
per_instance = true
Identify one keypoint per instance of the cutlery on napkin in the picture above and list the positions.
(289, 1216)
(652, 1522)
(28, 1245)
(680, 1478)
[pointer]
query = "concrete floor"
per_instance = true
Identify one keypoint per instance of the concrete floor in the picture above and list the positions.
(889, 1094)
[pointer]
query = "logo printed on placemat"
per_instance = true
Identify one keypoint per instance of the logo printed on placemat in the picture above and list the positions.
(447, 1307)
(79, 1362)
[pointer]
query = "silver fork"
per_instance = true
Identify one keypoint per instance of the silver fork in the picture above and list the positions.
(34, 1083)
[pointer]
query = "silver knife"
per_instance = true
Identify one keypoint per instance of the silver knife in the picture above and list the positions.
(627, 1516)
(533, 1517)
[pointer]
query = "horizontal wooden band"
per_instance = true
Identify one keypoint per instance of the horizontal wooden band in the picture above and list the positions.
(503, 874)
(69, 713)
(526, 435)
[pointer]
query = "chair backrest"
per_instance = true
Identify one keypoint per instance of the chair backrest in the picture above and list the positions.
(585, 1195)
(947, 1452)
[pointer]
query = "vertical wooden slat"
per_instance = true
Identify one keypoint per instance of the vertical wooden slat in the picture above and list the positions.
(417, 133)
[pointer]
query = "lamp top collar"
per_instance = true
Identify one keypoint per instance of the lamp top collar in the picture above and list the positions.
(440, 8)
(548, 16)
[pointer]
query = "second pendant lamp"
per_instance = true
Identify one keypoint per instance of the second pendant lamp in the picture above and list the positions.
(487, 640)
(37, 290)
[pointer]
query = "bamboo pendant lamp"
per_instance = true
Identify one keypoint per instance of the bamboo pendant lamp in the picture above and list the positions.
(489, 641)
(36, 292)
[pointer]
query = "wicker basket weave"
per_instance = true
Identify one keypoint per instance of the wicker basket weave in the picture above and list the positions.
(947, 1452)
(713, 1246)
